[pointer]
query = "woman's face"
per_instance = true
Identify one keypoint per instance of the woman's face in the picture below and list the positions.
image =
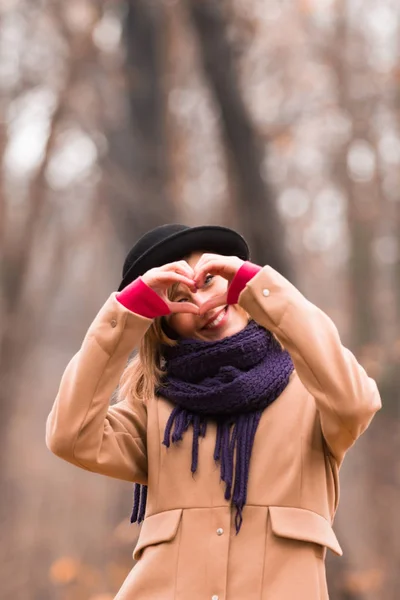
(218, 323)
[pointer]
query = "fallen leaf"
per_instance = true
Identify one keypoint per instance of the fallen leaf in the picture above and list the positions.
(360, 582)
(64, 570)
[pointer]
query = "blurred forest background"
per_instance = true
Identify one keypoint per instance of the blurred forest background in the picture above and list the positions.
(278, 117)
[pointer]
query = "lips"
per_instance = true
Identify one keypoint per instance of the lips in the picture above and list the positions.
(215, 316)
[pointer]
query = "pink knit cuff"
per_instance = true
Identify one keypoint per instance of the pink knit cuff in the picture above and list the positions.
(243, 275)
(139, 298)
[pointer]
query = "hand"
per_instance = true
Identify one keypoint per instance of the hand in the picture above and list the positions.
(215, 264)
(160, 280)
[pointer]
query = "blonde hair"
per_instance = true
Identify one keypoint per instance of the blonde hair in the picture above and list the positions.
(143, 372)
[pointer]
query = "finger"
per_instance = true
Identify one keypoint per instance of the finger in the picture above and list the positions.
(208, 256)
(204, 259)
(220, 300)
(187, 272)
(184, 267)
(183, 307)
(189, 278)
(180, 266)
(171, 277)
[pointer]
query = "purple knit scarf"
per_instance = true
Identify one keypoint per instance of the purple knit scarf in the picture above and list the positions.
(230, 381)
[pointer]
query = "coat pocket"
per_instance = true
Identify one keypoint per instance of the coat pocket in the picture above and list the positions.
(303, 525)
(156, 529)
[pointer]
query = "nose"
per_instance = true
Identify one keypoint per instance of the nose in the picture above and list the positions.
(201, 296)
(196, 299)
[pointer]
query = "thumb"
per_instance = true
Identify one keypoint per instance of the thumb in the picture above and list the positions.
(183, 307)
(219, 300)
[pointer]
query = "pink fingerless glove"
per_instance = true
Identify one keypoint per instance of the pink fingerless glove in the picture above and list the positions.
(141, 299)
(243, 275)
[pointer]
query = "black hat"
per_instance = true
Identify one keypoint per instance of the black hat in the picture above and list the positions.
(168, 243)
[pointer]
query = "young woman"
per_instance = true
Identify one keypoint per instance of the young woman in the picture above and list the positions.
(233, 419)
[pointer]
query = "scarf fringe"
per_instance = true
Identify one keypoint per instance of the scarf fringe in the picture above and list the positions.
(139, 503)
(238, 439)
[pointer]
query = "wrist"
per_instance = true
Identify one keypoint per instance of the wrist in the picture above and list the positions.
(241, 278)
(141, 299)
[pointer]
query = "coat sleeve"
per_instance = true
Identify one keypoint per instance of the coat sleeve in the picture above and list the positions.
(346, 398)
(82, 427)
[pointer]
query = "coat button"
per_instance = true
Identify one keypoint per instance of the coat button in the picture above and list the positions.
(113, 323)
(220, 531)
(266, 292)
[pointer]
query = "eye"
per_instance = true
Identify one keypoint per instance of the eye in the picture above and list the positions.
(208, 279)
(182, 300)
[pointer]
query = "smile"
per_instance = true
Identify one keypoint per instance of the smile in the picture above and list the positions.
(218, 320)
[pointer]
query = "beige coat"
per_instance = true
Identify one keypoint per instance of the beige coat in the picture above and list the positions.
(188, 548)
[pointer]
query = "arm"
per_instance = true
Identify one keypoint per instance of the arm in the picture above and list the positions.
(82, 428)
(345, 396)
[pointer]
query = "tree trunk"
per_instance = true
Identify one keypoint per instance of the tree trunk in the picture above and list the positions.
(257, 213)
(137, 171)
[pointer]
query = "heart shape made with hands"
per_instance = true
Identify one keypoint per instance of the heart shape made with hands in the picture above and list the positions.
(213, 264)
(160, 279)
